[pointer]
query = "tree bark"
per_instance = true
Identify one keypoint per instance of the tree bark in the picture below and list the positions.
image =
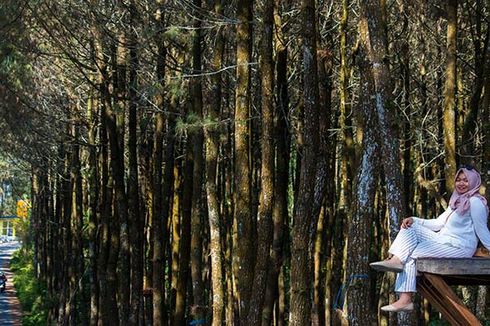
(191, 223)
(449, 105)
(375, 42)
(264, 219)
(161, 197)
(302, 235)
(243, 260)
(215, 215)
(116, 129)
(134, 215)
(359, 304)
(280, 204)
(93, 198)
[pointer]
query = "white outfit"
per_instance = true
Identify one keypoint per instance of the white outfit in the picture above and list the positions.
(449, 236)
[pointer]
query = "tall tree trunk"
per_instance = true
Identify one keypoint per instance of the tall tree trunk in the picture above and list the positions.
(486, 125)
(346, 138)
(214, 213)
(302, 234)
(158, 226)
(282, 144)
(323, 180)
(374, 40)
(359, 303)
(63, 314)
(106, 309)
(243, 259)
(160, 208)
(485, 168)
(134, 214)
(107, 301)
(375, 43)
(449, 106)
(481, 54)
(93, 198)
(264, 218)
(407, 126)
(77, 307)
(192, 219)
(116, 129)
(181, 197)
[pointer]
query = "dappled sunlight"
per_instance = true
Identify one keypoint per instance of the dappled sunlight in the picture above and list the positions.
(10, 312)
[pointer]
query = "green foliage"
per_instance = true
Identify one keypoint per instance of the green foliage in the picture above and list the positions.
(14, 176)
(22, 227)
(32, 295)
(194, 123)
(14, 66)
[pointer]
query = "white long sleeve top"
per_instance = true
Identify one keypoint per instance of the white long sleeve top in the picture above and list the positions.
(461, 231)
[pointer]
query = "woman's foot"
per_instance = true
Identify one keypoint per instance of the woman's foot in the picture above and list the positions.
(404, 303)
(397, 307)
(390, 265)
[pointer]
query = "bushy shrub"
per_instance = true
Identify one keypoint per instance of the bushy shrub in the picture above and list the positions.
(32, 295)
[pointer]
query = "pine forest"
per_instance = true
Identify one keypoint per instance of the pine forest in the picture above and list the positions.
(214, 162)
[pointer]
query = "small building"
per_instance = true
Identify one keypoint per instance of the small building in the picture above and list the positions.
(7, 229)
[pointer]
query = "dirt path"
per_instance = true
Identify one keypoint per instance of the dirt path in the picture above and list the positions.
(10, 312)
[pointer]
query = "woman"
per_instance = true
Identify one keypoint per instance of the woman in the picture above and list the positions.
(454, 234)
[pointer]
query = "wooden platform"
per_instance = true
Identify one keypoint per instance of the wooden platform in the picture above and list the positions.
(435, 275)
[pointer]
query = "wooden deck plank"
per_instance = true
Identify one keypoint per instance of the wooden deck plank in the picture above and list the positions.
(454, 266)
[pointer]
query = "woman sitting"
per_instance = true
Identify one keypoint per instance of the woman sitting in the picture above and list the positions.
(454, 234)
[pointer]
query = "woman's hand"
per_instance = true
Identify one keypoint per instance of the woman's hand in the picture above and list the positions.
(407, 222)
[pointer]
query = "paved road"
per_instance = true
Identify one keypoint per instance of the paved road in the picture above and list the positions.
(10, 314)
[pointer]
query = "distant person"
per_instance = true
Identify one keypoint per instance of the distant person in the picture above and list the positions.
(454, 234)
(3, 281)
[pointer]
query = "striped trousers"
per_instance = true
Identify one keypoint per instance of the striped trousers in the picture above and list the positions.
(418, 241)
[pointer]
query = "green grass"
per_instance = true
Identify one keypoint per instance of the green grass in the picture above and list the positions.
(30, 292)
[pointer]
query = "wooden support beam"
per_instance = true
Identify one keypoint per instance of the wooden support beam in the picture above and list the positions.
(441, 296)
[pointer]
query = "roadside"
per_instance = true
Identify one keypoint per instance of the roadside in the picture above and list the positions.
(10, 311)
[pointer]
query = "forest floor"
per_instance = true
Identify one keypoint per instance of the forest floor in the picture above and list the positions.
(10, 311)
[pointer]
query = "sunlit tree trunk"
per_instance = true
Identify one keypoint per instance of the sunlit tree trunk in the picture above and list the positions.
(374, 41)
(215, 215)
(359, 303)
(345, 121)
(179, 211)
(345, 164)
(243, 259)
(449, 106)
